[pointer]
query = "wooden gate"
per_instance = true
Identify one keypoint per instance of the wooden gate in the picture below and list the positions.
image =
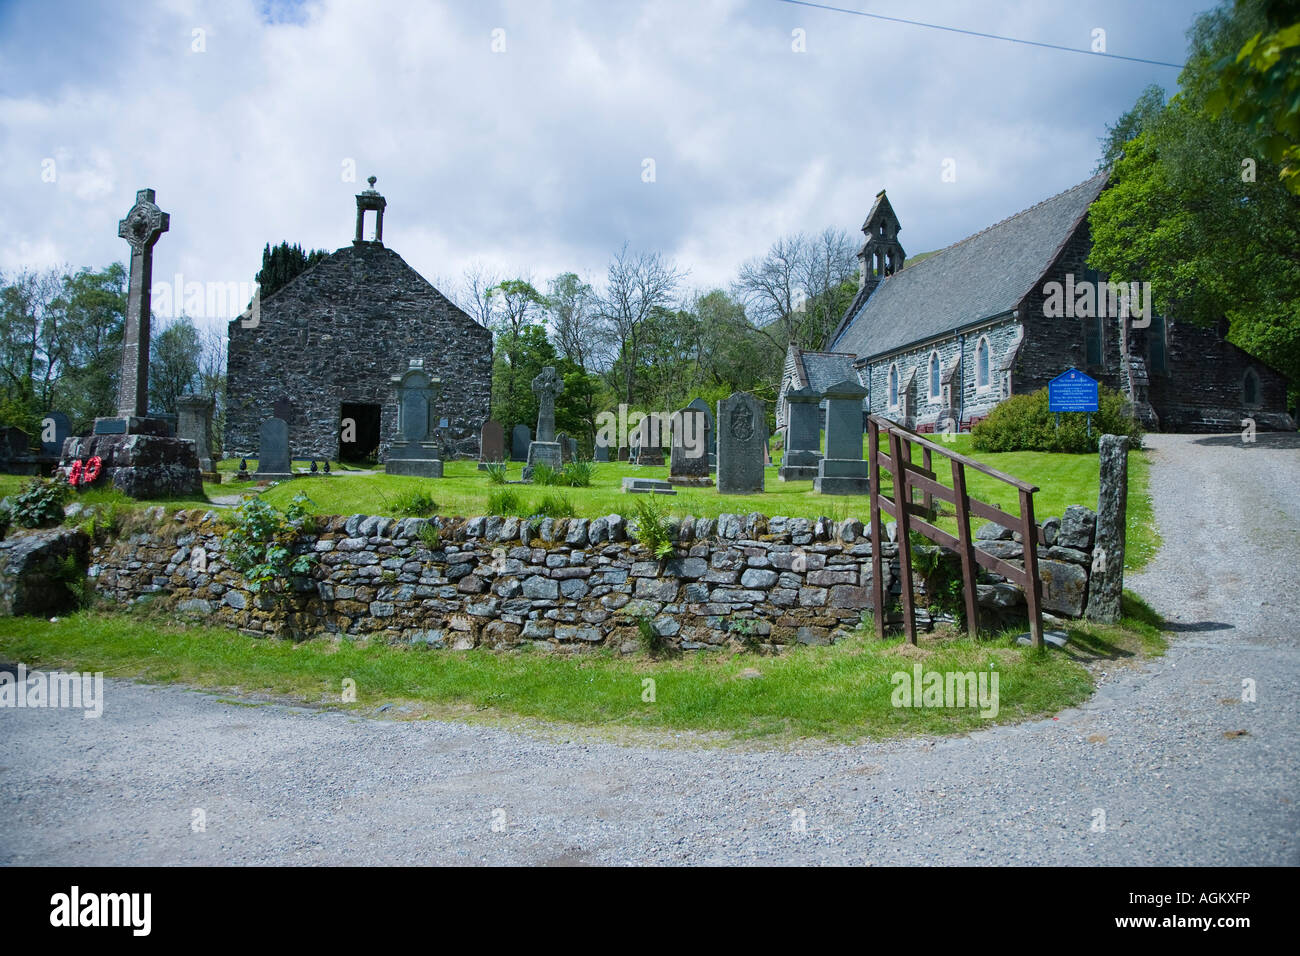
(909, 478)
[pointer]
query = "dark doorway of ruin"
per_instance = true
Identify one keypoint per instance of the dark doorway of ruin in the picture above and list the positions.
(360, 423)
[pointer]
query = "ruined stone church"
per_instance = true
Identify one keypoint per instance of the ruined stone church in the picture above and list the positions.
(323, 352)
(940, 342)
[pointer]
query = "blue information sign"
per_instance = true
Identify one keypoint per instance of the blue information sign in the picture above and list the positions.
(1072, 391)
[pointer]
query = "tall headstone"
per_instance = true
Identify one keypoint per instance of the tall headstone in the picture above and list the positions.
(648, 439)
(194, 423)
(141, 228)
(273, 450)
(491, 444)
(520, 437)
(741, 433)
(55, 428)
(803, 435)
(842, 471)
(416, 448)
(137, 453)
(566, 447)
(1106, 585)
(711, 441)
(689, 464)
(545, 449)
(601, 451)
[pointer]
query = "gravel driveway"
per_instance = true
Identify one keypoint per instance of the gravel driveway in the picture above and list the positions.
(1158, 750)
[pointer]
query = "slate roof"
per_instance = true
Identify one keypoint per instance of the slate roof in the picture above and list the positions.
(977, 278)
(820, 370)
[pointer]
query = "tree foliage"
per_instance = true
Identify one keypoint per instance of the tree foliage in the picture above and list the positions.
(282, 264)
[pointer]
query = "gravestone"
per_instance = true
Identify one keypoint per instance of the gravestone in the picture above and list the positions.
(138, 455)
(741, 435)
(711, 441)
(842, 471)
(545, 449)
(566, 448)
(601, 451)
(573, 448)
(520, 437)
(416, 448)
(273, 451)
(803, 433)
(1106, 584)
(55, 429)
(194, 423)
(491, 444)
(647, 438)
(689, 464)
(647, 486)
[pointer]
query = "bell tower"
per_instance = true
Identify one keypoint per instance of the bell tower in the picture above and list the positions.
(881, 255)
(369, 200)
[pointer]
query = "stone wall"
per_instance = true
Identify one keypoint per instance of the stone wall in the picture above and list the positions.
(558, 583)
(337, 334)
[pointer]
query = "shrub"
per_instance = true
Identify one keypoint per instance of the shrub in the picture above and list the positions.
(652, 526)
(496, 472)
(1023, 423)
(262, 542)
(39, 504)
(414, 503)
(577, 474)
(431, 536)
(503, 502)
(544, 474)
(555, 506)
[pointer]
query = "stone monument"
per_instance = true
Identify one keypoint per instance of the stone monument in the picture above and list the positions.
(842, 471)
(544, 449)
(741, 434)
(690, 449)
(136, 453)
(711, 439)
(491, 445)
(194, 423)
(648, 438)
(803, 434)
(273, 451)
(416, 448)
(1106, 584)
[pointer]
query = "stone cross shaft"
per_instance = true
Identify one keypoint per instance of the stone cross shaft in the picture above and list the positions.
(141, 229)
(546, 386)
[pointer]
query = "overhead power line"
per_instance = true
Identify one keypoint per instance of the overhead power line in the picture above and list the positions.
(976, 33)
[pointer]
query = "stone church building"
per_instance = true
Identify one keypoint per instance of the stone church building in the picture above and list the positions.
(939, 343)
(322, 352)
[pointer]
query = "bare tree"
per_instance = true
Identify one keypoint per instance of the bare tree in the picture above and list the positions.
(475, 294)
(830, 260)
(637, 286)
(770, 286)
(576, 321)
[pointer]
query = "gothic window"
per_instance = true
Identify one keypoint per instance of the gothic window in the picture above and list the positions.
(1250, 388)
(1156, 350)
(893, 386)
(934, 376)
(982, 379)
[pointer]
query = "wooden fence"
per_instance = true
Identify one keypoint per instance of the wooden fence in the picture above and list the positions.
(910, 478)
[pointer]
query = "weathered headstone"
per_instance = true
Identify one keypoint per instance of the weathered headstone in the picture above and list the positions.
(520, 438)
(803, 435)
(55, 428)
(601, 451)
(545, 449)
(647, 486)
(648, 438)
(690, 449)
(741, 433)
(273, 450)
(491, 444)
(711, 441)
(416, 448)
(194, 423)
(566, 447)
(842, 471)
(1106, 585)
(573, 448)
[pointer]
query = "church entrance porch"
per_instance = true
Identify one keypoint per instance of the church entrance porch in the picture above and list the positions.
(358, 432)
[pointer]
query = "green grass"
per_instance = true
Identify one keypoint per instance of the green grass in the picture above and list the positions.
(841, 692)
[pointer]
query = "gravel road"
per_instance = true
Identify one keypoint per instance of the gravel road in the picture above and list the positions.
(1157, 749)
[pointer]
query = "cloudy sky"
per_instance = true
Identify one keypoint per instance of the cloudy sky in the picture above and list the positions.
(517, 134)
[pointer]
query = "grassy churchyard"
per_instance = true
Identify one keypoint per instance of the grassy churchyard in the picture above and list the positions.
(838, 692)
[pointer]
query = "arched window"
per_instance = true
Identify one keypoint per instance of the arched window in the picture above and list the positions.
(934, 376)
(1250, 388)
(893, 386)
(982, 379)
